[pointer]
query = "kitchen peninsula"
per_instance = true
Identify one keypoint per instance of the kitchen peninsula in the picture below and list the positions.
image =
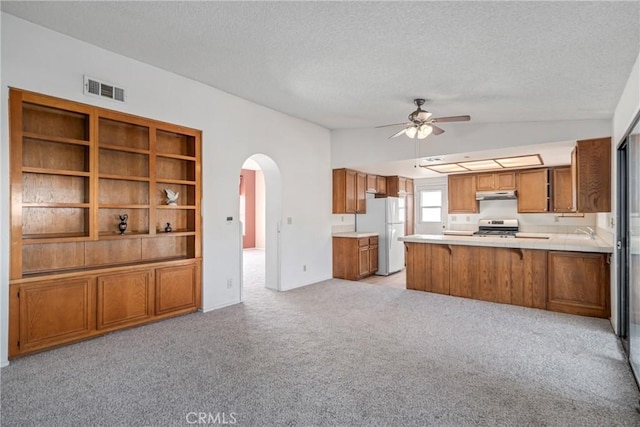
(567, 273)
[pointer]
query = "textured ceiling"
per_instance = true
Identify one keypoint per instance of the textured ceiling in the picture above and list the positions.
(359, 64)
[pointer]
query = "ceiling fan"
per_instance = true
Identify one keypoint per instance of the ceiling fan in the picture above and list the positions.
(421, 124)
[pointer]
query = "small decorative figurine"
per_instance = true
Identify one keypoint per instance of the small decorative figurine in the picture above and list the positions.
(123, 223)
(172, 197)
(168, 228)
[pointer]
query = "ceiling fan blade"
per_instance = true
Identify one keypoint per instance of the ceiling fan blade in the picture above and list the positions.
(398, 133)
(451, 119)
(436, 130)
(395, 124)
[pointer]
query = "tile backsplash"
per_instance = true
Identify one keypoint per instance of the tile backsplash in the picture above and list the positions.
(532, 223)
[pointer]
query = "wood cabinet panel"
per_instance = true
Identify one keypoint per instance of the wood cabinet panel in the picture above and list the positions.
(382, 185)
(417, 258)
(54, 312)
(440, 271)
(124, 299)
(52, 257)
(354, 258)
(176, 289)
(361, 191)
(562, 190)
(409, 223)
(462, 194)
(372, 183)
(344, 191)
(578, 283)
(533, 191)
(464, 271)
(496, 181)
(592, 162)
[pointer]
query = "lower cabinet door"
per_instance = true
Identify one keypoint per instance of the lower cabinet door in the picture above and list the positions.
(54, 312)
(373, 259)
(124, 299)
(363, 261)
(176, 289)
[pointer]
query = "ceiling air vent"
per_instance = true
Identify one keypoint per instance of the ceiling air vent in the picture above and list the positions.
(101, 89)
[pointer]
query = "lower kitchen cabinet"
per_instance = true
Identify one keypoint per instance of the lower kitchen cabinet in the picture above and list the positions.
(355, 258)
(578, 283)
(49, 311)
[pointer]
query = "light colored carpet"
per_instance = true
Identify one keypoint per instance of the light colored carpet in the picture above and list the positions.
(335, 353)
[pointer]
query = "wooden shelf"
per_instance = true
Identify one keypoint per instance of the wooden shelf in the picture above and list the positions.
(176, 156)
(125, 177)
(75, 171)
(49, 138)
(44, 171)
(176, 207)
(121, 148)
(174, 181)
(121, 206)
(56, 205)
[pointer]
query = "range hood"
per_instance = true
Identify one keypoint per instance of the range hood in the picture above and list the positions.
(496, 195)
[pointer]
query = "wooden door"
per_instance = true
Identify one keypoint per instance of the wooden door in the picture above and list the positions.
(381, 185)
(533, 191)
(484, 182)
(593, 158)
(409, 224)
(364, 266)
(361, 193)
(505, 180)
(373, 255)
(462, 194)
(248, 207)
(562, 190)
(124, 298)
(175, 289)
(372, 183)
(55, 311)
(578, 283)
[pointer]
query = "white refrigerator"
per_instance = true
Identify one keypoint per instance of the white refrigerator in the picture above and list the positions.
(385, 216)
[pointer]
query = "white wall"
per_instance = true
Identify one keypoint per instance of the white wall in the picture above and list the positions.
(40, 60)
(627, 109)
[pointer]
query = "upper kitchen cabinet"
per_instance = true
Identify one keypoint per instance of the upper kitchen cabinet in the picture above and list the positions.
(462, 194)
(349, 189)
(496, 181)
(591, 167)
(533, 191)
(376, 184)
(561, 190)
(398, 186)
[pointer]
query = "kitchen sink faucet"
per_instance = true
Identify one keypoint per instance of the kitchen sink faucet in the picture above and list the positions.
(591, 232)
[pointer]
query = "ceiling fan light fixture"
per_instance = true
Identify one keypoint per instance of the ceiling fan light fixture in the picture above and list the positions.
(411, 131)
(424, 131)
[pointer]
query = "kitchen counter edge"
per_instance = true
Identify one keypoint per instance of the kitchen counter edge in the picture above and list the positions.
(559, 242)
(354, 234)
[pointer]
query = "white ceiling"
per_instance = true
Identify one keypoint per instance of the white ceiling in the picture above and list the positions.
(359, 64)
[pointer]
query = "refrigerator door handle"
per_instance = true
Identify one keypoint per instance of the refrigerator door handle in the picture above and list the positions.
(390, 239)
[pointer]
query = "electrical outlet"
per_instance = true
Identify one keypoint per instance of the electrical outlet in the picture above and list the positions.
(468, 218)
(454, 218)
(229, 283)
(556, 218)
(304, 267)
(289, 220)
(611, 223)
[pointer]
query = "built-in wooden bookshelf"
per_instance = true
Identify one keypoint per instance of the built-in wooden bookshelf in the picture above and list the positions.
(75, 169)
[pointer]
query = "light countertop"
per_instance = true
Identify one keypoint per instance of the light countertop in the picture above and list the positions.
(544, 241)
(354, 234)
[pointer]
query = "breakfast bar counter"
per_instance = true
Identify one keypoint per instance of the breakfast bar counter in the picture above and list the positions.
(545, 241)
(568, 273)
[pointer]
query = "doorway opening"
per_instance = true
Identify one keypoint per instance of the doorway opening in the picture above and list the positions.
(260, 213)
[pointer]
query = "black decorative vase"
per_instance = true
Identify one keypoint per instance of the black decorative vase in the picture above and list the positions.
(123, 223)
(168, 228)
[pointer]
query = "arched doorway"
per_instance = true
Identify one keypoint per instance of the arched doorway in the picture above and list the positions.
(265, 211)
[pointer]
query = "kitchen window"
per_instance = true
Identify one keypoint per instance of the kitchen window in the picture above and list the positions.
(431, 206)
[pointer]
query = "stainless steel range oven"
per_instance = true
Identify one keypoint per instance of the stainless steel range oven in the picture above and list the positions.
(497, 228)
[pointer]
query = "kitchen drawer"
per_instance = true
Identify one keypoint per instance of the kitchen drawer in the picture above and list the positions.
(373, 241)
(363, 241)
